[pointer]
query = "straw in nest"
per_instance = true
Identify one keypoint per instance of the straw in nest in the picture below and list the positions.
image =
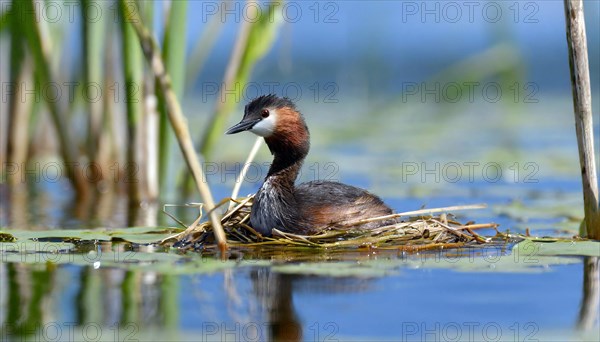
(418, 230)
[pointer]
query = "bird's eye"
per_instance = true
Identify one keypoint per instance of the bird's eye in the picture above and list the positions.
(264, 113)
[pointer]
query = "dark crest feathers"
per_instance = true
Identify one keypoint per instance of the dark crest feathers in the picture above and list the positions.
(269, 101)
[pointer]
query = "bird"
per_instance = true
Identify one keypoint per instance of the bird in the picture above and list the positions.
(308, 208)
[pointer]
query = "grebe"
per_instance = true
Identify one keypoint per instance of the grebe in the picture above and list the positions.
(309, 207)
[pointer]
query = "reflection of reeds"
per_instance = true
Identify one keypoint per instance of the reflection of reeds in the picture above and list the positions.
(589, 310)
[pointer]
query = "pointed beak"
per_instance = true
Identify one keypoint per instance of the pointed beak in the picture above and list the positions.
(243, 125)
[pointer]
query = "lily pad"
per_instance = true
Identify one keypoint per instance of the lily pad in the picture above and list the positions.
(113, 248)
(141, 235)
(529, 255)
(555, 247)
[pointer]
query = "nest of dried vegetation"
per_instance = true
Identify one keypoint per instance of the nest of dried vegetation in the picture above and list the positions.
(417, 230)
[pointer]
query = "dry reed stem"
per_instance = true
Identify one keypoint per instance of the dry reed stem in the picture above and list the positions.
(582, 104)
(419, 212)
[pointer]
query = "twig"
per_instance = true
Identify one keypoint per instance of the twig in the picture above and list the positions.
(198, 205)
(178, 121)
(453, 230)
(476, 236)
(192, 227)
(478, 226)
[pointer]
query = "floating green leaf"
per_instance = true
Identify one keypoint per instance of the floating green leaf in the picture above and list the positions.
(140, 235)
(114, 248)
(555, 247)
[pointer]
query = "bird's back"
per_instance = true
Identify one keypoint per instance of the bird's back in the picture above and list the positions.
(328, 204)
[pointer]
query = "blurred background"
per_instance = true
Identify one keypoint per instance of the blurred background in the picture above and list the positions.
(422, 102)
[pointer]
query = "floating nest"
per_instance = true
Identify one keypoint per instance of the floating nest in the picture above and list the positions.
(416, 230)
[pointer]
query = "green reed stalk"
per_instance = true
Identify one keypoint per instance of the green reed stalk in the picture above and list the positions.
(132, 69)
(93, 47)
(107, 146)
(254, 41)
(41, 52)
(174, 57)
(19, 111)
(5, 20)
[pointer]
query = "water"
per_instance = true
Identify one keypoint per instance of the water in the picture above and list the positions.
(412, 298)
(489, 294)
(485, 294)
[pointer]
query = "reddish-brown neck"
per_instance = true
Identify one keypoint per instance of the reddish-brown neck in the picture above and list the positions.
(289, 143)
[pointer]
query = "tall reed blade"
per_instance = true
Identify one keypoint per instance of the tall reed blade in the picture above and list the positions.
(174, 57)
(41, 51)
(253, 42)
(92, 50)
(93, 30)
(132, 69)
(19, 111)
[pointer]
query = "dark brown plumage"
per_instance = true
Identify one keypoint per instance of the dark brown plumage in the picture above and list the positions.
(310, 207)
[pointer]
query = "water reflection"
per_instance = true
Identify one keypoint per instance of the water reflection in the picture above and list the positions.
(15, 200)
(52, 206)
(28, 299)
(274, 293)
(36, 299)
(589, 311)
(111, 300)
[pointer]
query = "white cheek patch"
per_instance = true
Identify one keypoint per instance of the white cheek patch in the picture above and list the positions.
(265, 127)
